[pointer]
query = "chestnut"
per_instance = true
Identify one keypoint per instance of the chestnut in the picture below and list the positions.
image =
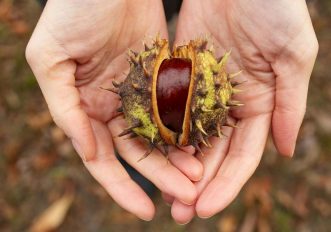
(176, 98)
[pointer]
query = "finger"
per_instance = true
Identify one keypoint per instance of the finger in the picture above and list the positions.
(245, 151)
(155, 167)
(55, 74)
(293, 69)
(182, 213)
(188, 149)
(186, 163)
(109, 172)
(211, 161)
(167, 198)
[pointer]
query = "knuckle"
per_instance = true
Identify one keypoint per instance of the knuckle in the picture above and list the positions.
(311, 47)
(60, 116)
(31, 52)
(315, 47)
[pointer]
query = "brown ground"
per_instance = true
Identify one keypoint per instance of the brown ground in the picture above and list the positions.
(38, 165)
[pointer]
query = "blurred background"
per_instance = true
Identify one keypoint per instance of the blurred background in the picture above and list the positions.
(44, 185)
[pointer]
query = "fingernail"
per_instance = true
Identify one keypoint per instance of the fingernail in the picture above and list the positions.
(78, 149)
(187, 203)
(182, 223)
(205, 217)
(292, 152)
(146, 219)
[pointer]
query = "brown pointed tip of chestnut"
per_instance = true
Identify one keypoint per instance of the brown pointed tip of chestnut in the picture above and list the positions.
(146, 47)
(132, 136)
(219, 130)
(232, 75)
(163, 149)
(199, 126)
(120, 109)
(197, 147)
(146, 73)
(166, 149)
(136, 86)
(135, 124)
(147, 153)
(133, 53)
(205, 109)
(201, 139)
(219, 104)
(230, 124)
(110, 89)
(203, 45)
(202, 92)
(234, 103)
(116, 84)
(219, 59)
(125, 132)
(207, 141)
(217, 83)
(199, 76)
(193, 108)
(236, 83)
(236, 91)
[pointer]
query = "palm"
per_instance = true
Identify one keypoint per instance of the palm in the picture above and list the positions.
(77, 48)
(237, 26)
(260, 35)
(102, 55)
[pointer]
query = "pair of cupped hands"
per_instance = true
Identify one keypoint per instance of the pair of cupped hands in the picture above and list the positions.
(78, 46)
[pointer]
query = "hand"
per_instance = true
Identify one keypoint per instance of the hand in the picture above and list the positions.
(274, 43)
(79, 46)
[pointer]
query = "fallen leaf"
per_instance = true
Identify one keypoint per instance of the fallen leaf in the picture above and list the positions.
(284, 198)
(65, 149)
(122, 217)
(319, 181)
(7, 211)
(322, 206)
(300, 201)
(250, 221)
(227, 223)
(257, 193)
(11, 15)
(57, 134)
(44, 161)
(20, 27)
(13, 100)
(12, 149)
(307, 149)
(54, 215)
(323, 120)
(296, 203)
(5, 8)
(263, 225)
(38, 121)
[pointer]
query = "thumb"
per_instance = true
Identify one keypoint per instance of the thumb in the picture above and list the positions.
(57, 82)
(293, 70)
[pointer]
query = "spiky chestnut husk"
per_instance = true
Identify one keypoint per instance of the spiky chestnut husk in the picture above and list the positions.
(207, 86)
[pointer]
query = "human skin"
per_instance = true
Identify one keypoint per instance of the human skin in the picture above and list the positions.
(274, 43)
(79, 46)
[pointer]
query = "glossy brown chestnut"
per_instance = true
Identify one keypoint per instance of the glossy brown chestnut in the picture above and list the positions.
(172, 90)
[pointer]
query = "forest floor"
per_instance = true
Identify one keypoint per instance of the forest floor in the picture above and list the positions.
(40, 170)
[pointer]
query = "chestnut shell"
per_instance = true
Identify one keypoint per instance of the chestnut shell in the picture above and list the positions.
(176, 98)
